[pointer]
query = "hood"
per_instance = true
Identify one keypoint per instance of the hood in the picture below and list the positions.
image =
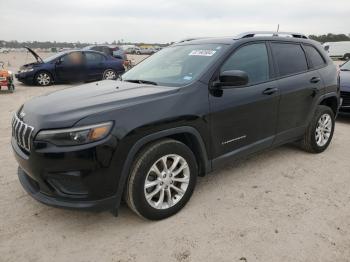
(345, 81)
(64, 108)
(37, 57)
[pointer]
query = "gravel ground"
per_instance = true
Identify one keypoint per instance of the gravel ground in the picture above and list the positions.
(280, 205)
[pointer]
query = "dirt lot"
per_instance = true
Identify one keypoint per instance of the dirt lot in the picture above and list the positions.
(281, 205)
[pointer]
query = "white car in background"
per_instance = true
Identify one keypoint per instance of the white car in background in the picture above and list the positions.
(4, 50)
(339, 50)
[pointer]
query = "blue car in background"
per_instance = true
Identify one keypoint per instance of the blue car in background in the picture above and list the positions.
(70, 66)
(345, 89)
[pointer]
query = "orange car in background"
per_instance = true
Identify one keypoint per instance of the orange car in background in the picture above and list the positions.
(6, 78)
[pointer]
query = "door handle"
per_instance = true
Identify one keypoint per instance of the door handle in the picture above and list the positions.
(315, 80)
(270, 91)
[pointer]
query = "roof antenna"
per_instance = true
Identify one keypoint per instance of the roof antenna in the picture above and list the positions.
(278, 29)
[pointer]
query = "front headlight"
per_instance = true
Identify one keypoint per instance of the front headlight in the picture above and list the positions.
(25, 70)
(75, 136)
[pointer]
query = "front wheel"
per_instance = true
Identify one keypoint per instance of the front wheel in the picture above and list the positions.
(320, 131)
(162, 179)
(43, 79)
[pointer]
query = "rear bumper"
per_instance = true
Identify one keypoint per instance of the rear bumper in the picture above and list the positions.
(33, 190)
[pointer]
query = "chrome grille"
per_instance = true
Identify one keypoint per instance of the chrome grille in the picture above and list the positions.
(22, 133)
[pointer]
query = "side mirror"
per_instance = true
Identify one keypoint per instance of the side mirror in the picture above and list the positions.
(232, 78)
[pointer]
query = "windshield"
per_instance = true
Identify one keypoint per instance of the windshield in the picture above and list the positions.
(345, 66)
(53, 57)
(175, 65)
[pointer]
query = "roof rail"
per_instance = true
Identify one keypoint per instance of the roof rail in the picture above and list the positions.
(270, 33)
(190, 39)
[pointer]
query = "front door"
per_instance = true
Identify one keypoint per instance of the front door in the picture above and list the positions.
(71, 67)
(244, 118)
(95, 65)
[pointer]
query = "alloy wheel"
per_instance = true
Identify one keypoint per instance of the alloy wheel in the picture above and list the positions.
(43, 79)
(167, 181)
(110, 75)
(323, 129)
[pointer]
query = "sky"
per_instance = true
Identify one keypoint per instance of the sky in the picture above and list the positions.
(165, 21)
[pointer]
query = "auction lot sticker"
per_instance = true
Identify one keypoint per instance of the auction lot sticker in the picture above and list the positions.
(202, 52)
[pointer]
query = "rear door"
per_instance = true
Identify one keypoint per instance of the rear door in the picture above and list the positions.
(243, 119)
(299, 87)
(95, 65)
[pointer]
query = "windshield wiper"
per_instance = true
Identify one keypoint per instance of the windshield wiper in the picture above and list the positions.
(344, 69)
(141, 81)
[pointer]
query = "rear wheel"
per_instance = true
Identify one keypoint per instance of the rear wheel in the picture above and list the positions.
(162, 179)
(43, 79)
(109, 74)
(346, 57)
(320, 130)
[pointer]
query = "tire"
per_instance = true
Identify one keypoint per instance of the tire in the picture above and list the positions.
(43, 78)
(109, 74)
(317, 136)
(11, 88)
(346, 57)
(164, 183)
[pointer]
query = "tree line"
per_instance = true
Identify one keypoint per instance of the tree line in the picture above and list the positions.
(48, 44)
(330, 37)
(54, 44)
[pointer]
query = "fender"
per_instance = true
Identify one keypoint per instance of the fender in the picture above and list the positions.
(320, 99)
(150, 138)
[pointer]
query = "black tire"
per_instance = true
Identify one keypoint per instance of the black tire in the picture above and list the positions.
(135, 188)
(308, 142)
(346, 57)
(43, 78)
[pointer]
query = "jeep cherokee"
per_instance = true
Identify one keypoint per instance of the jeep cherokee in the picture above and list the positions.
(177, 115)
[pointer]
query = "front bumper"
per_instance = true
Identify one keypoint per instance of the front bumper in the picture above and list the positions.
(33, 189)
(25, 77)
(345, 103)
(82, 177)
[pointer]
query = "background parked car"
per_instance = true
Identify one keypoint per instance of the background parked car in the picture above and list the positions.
(345, 89)
(70, 66)
(112, 50)
(339, 50)
(4, 50)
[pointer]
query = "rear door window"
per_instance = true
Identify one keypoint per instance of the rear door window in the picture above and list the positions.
(290, 58)
(93, 57)
(314, 56)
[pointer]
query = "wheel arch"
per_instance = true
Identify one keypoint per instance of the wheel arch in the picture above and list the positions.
(331, 101)
(185, 134)
(44, 71)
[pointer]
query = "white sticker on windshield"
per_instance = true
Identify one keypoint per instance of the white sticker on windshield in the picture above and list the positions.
(202, 52)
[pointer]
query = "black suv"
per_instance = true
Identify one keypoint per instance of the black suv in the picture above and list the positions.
(177, 115)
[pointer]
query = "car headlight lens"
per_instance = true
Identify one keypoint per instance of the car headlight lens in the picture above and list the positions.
(25, 70)
(75, 136)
